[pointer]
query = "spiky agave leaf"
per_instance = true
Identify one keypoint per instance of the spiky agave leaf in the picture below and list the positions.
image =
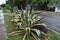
(34, 16)
(41, 27)
(17, 16)
(27, 20)
(35, 20)
(37, 32)
(17, 32)
(15, 20)
(34, 36)
(24, 36)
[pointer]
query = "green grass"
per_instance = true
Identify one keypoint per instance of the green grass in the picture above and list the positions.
(54, 36)
(51, 12)
(10, 27)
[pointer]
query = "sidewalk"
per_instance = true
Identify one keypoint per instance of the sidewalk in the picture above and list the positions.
(3, 34)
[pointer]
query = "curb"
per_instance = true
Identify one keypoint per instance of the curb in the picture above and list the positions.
(54, 31)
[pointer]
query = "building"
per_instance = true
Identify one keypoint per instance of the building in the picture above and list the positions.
(2, 2)
(57, 7)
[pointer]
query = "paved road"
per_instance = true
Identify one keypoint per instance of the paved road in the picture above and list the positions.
(3, 34)
(53, 22)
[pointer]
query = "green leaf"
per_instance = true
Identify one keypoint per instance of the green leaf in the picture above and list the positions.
(15, 32)
(24, 36)
(15, 20)
(37, 31)
(35, 37)
(34, 16)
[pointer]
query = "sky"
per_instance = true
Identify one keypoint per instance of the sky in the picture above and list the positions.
(2, 2)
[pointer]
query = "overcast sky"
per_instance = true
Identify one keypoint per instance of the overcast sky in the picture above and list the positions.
(2, 2)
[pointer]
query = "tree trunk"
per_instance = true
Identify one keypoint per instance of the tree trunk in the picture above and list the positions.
(12, 5)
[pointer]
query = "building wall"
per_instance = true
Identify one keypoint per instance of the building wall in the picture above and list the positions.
(2, 2)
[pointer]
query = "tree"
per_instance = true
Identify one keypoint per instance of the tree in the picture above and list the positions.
(11, 3)
(42, 3)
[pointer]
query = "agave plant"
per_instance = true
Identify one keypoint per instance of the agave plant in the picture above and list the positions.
(26, 22)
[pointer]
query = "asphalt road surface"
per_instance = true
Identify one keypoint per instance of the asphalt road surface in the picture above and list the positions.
(3, 34)
(53, 22)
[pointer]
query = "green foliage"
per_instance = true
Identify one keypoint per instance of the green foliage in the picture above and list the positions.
(25, 22)
(3, 5)
(23, 3)
(7, 6)
(16, 2)
(52, 35)
(50, 1)
(43, 1)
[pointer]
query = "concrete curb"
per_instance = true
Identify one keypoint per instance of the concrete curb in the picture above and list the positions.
(54, 31)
